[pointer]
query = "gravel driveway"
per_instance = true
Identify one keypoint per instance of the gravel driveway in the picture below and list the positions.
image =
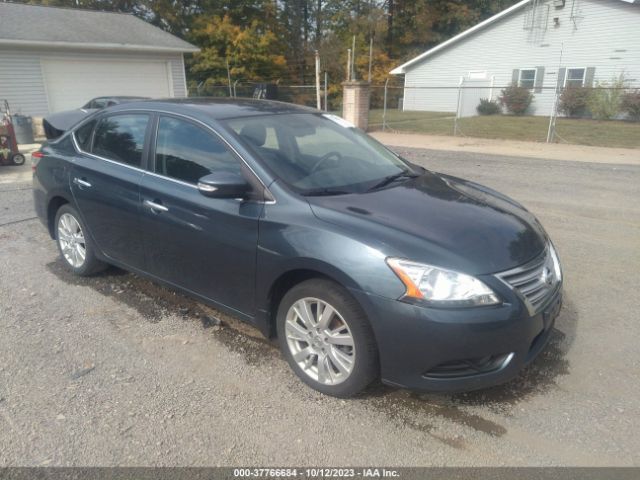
(114, 370)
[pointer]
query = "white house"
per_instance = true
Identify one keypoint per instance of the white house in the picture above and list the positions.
(541, 44)
(54, 59)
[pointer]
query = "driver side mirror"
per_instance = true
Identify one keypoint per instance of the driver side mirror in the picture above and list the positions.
(224, 185)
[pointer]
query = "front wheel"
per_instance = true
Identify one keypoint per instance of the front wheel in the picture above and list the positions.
(327, 339)
(18, 159)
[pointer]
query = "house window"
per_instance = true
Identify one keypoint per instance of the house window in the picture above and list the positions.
(527, 78)
(575, 77)
(477, 74)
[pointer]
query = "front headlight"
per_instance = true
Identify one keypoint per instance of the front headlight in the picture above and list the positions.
(441, 288)
(557, 269)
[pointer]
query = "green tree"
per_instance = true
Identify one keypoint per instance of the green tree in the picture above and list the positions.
(251, 51)
(605, 100)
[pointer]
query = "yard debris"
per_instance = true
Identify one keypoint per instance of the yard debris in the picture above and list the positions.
(126, 430)
(81, 373)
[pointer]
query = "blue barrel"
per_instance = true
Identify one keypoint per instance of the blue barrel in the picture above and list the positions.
(23, 127)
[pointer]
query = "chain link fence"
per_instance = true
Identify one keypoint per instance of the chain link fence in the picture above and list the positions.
(598, 116)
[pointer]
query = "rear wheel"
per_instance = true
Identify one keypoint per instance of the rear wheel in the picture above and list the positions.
(74, 245)
(18, 159)
(326, 338)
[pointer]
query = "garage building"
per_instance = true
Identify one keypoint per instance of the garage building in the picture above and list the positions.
(54, 59)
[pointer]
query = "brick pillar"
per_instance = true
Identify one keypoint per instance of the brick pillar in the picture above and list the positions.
(355, 103)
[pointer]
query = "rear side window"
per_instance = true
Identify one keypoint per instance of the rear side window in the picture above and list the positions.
(83, 135)
(121, 138)
(187, 152)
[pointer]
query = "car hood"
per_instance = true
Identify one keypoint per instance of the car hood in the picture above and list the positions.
(441, 220)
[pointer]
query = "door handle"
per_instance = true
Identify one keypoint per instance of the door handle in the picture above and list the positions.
(156, 207)
(81, 183)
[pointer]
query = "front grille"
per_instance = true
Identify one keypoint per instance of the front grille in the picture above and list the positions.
(535, 281)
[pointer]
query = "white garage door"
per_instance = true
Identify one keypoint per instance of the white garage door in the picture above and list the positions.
(71, 82)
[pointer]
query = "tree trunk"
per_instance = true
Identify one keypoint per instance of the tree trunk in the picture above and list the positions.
(390, 13)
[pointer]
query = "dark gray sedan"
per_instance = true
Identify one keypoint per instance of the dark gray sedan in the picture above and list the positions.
(364, 265)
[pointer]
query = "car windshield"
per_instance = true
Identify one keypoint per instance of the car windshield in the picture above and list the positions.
(318, 154)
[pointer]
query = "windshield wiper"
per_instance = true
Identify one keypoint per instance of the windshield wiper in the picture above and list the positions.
(392, 178)
(324, 192)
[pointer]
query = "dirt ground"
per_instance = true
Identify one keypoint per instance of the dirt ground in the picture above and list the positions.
(544, 151)
(114, 370)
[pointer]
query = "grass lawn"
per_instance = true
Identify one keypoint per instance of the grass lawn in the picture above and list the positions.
(611, 133)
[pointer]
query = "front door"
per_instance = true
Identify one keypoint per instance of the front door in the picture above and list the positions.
(205, 245)
(105, 182)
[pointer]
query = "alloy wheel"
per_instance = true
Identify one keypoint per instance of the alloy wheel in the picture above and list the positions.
(320, 341)
(71, 240)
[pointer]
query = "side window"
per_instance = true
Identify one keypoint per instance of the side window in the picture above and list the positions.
(527, 78)
(121, 138)
(187, 152)
(83, 135)
(575, 77)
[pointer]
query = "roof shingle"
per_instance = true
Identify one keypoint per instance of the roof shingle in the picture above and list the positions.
(35, 24)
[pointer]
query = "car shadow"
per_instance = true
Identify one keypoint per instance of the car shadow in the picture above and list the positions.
(154, 302)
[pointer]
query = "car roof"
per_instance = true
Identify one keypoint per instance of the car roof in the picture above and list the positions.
(215, 108)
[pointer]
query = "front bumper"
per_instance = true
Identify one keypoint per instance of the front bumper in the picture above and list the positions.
(425, 348)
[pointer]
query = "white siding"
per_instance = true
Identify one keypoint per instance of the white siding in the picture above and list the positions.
(606, 35)
(22, 83)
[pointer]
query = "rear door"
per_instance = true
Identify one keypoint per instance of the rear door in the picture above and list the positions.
(105, 181)
(205, 245)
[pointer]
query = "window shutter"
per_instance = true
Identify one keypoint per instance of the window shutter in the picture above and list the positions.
(515, 76)
(562, 72)
(539, 79)
(588, 77)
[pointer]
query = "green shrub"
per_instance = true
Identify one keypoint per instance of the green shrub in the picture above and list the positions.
(516, 99)
(605, 100)
(488, 107)
(573, 101)
(631, 104)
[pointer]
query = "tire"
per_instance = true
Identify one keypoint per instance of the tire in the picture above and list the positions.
(305, 348)
(18, 159)
(65, 227)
